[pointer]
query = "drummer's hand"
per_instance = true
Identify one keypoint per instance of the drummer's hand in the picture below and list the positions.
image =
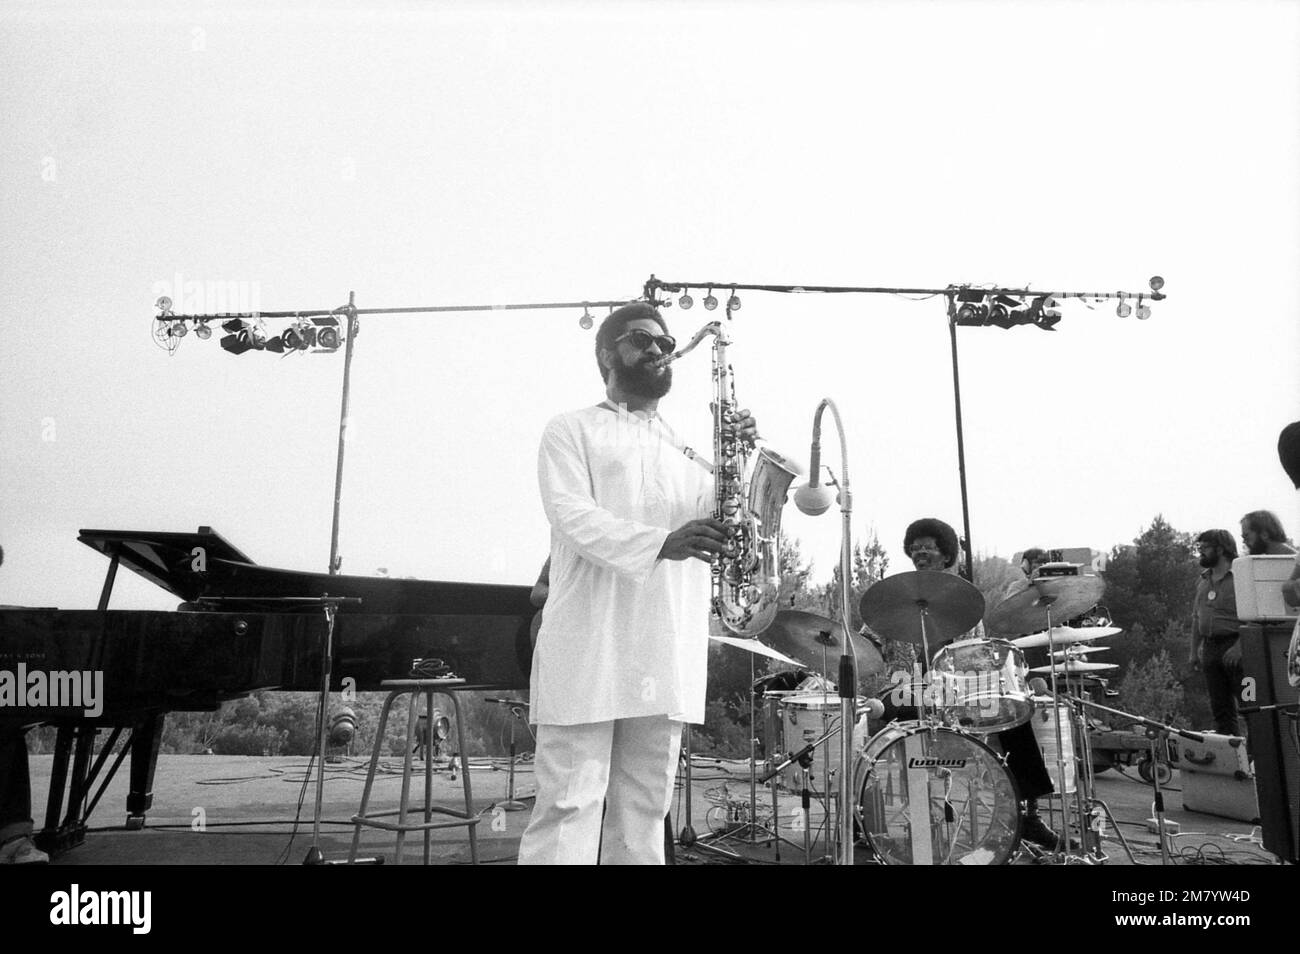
(745, 427)
(698, 539)
(1232, 655)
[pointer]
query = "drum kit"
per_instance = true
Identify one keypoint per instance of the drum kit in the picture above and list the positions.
(932, 788)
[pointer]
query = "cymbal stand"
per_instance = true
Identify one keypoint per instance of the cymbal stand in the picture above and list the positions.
(1158, 734)
(805, 800)
(750, 828)
(1064, 851)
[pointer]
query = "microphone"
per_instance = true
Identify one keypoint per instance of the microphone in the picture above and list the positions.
(873, 707)
(812, 498)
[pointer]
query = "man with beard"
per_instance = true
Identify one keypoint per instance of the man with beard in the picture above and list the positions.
(1215, 628)
(621, 656)
(1263, 535)
(932, 545)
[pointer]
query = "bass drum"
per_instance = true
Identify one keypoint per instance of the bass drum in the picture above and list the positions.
(931, 795)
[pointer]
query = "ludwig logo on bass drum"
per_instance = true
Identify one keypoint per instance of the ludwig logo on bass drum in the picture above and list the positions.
(936, 763)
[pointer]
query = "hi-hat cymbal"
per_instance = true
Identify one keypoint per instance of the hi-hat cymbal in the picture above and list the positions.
(1043, 600)
(1074, 652)
(894, 606)
(1065, 635)
(808, 636)
(1075, 666)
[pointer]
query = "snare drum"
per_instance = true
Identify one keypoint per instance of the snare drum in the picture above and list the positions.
(932, 795)
(982, 685)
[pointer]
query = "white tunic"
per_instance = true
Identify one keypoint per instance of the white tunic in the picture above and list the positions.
(624, 634)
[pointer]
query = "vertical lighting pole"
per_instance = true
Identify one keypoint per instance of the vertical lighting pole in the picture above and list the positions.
(961, 443)
(350, 309)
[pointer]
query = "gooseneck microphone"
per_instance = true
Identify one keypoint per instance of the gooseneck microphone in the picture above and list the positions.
(814, 498)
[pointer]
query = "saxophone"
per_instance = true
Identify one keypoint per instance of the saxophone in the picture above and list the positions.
(749, 495)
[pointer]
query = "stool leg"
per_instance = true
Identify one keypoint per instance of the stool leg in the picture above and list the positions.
(370, 775)
(428, 772)
(464, 771)
(411, 706)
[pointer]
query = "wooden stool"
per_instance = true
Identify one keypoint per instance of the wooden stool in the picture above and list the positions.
(415, 688)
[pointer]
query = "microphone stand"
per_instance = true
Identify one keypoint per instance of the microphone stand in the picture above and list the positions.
(848, 677)
(329, 604)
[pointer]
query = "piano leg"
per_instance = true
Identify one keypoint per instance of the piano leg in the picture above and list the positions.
(47, 839)
(56, 836)
(145, 741)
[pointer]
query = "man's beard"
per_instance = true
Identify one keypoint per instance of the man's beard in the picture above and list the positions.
(644, 380)
(1258, 548)
(1210, 560)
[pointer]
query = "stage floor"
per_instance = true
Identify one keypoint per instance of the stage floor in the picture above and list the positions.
(240, 810)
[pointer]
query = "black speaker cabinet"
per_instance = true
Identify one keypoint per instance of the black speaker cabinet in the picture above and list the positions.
(1273, 736)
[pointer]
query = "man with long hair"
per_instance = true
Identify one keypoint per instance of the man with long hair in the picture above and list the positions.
(1262, 533)
(1216, 630)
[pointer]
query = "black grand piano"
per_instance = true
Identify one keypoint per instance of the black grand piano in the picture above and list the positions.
(240, 627)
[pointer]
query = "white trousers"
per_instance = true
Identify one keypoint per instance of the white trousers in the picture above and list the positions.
(627, 767)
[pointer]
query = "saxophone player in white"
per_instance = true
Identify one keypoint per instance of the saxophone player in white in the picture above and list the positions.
(620, 661)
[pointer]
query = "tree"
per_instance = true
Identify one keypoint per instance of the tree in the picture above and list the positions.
(1149, 590)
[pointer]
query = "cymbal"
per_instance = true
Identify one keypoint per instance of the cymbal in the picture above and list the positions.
(1074, 652)
(893, 606)
(1065, 635)
(754, 646)
(1064, 597)
(805, 636)
(1075, 666)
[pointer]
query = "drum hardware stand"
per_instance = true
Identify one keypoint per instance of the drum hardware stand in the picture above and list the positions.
(804, 759)
(751, 828)
(1158, 734)
(688, 838)
(516, 707)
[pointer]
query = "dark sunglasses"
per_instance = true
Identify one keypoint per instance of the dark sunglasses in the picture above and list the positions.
(641, 340)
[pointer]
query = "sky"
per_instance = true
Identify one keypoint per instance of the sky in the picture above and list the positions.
(455, 153)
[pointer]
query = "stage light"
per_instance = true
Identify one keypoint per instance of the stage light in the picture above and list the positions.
(710, 302)
(972, 315)
(177, 329)
(685, 301)
(202, 331)
(733, 303)
(441, 726)
(343, 726)
(586, 321)
(1143, 312)
(243, 336)
(1046, 313)
(1157, 283)
(275, 345)
(1124, 309)
(164, 305)
(327, 333)
(299, 337)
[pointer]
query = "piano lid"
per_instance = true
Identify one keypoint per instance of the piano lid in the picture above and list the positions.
(165, 559)
(169, 560)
